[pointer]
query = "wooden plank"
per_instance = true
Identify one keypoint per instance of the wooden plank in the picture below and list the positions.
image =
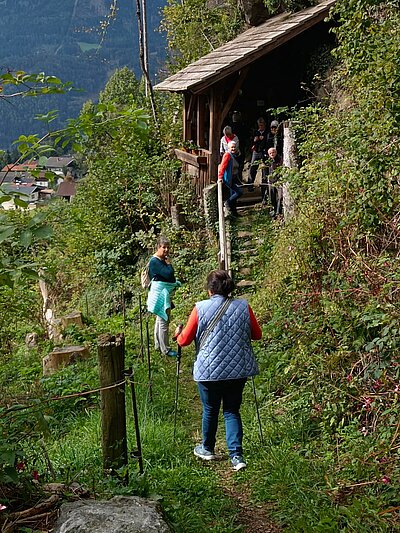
(190, 159)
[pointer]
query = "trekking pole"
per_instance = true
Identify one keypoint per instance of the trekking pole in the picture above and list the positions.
(257, 411)
(123, 307)
(148, 359)
(138, 452)
(178, 366)
(141, 328)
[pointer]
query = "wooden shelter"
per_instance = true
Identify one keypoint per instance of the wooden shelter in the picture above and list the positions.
(261, 68)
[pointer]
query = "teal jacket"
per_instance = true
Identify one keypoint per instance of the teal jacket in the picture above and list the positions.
(159, 298)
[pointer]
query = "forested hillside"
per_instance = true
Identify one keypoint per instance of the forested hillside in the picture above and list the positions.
(326, 295)
(78, 41)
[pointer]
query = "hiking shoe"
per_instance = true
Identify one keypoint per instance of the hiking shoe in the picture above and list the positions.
(204, 454)
(172, 353)
(238, 462)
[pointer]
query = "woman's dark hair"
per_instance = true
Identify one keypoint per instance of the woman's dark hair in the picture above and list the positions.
(220, 282)
(161, 241)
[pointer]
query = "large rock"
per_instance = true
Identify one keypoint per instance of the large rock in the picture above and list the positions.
(31, 340)
(255, 12)
(64, 356)
(121, 514)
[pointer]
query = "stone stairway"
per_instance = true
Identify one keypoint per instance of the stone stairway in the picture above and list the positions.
(250, 197)
(244, 250)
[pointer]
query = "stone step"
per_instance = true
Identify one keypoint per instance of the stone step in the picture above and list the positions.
(248, 251)
(245, 271)
(245, 283)
(244, 234)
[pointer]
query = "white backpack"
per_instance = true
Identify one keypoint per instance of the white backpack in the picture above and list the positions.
(145, 277)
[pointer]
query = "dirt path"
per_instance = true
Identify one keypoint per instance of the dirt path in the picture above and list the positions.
(255, 518)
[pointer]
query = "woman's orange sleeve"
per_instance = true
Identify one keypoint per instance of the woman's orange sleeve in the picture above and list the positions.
(189, 332)
(255, 329)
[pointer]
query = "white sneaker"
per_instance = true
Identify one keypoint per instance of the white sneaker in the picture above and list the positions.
(238, 463)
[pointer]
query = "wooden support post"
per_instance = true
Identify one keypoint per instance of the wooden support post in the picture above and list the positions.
(214, 133)
(185, 117)
(111, 355)
(289, 161)
(222, 259)
(200, 121)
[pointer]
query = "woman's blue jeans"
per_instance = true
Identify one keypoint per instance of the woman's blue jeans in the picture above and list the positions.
(235, 193)
(230, 392)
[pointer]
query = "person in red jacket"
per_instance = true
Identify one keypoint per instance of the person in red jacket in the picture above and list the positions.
(228, 172)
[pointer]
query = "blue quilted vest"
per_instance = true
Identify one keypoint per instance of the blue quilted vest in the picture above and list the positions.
(227, 351)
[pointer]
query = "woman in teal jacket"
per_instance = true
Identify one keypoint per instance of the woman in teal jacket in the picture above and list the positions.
(162, 285)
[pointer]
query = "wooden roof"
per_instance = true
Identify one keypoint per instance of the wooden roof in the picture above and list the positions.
(244, 49)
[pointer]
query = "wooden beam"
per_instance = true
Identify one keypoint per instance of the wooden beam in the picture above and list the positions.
(185, 117)
(190, 100)
(234, 92)
(200, 121)
(214, 136)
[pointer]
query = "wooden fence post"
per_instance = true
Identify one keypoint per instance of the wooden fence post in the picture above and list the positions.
(289, 161)
(111, 354)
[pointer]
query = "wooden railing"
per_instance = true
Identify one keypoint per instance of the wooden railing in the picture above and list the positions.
(197, 166)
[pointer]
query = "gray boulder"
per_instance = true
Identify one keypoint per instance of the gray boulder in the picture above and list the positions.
(121, 514)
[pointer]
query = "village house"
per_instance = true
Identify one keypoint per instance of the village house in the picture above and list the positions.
(20, 167)
(28, 193)
(61, 165)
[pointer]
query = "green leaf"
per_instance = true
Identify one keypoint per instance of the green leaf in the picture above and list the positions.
(20, 203)
(44, 232)
(6, 233)
(37, 219)
(25, 238)
(7, 457)
(11, 474)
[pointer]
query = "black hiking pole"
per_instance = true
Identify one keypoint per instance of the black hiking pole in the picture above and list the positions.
(141, 328)
(257, 411)
(148, 359)
(123, 303)
(138, 452)
(178, 366)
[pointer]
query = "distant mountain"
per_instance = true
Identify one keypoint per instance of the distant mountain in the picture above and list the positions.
(64, 38)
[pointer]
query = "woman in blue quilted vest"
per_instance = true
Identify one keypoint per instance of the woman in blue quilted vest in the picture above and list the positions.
(222, 329)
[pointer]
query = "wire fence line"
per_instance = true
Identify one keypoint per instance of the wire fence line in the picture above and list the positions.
(18, 407)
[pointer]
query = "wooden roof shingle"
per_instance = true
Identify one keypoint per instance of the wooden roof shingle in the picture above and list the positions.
(244, 49)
